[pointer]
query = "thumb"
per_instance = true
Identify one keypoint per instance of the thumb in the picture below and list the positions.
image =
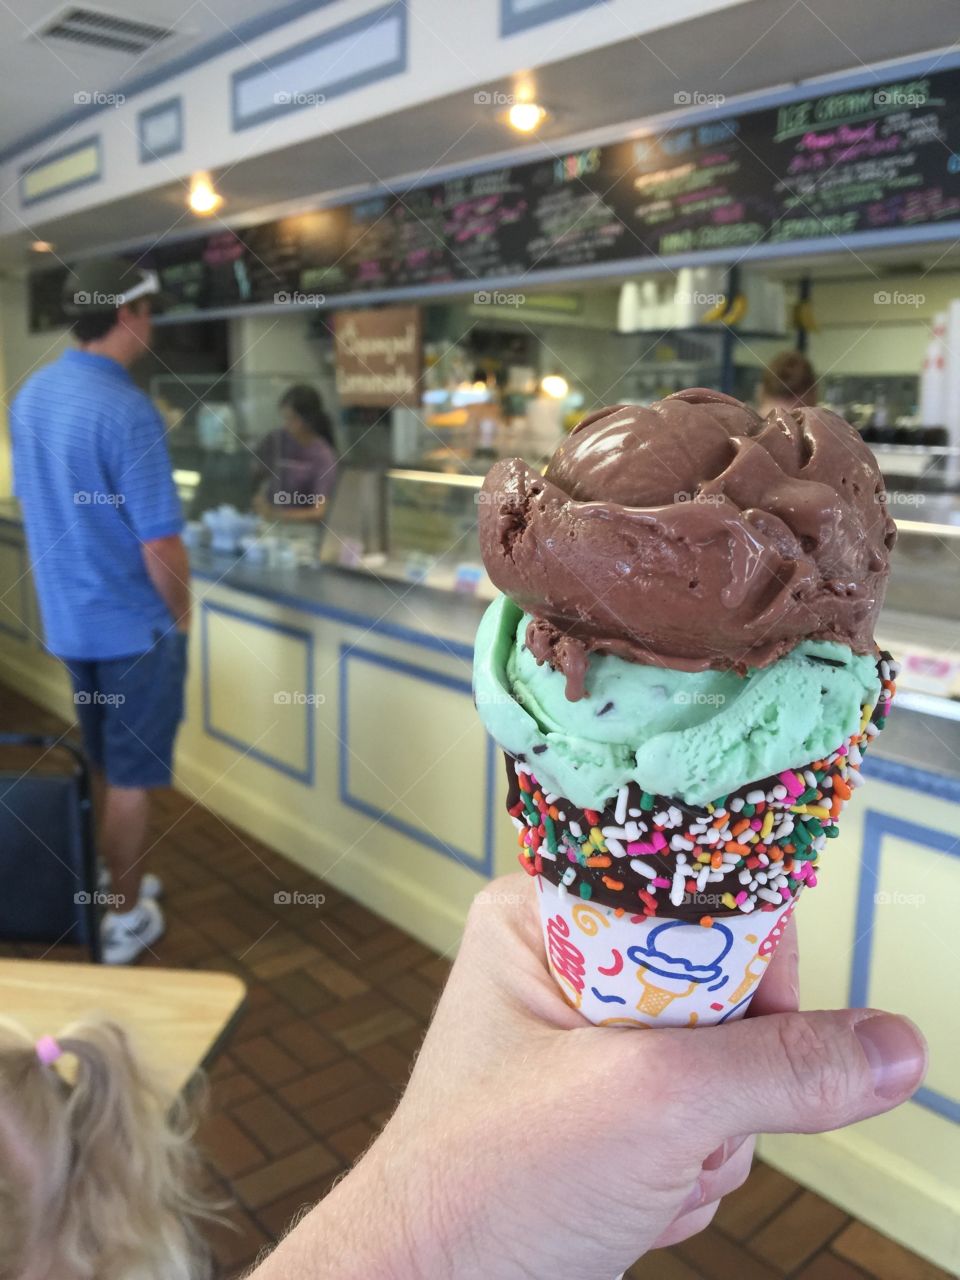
(801, 1072)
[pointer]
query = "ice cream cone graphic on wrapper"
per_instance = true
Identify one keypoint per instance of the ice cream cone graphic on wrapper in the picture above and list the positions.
(655, 1000)
(682, 696)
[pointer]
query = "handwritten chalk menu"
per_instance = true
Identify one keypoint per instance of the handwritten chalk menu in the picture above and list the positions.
(863, 160)
(483, 214)
(885, 157)
(298, 260)
(378, 356)
(182, 275)
(321, 240)
(45, 300)
(571, 219)
(369, 245)
(689, 190)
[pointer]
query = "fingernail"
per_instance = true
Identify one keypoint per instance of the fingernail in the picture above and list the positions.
(896, 1053)
(723, 1153)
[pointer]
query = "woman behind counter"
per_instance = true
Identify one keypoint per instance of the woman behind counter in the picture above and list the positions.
(296, 464)
(789, 382)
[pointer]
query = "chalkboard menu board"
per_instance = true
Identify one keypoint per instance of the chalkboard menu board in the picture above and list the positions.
(864, 160)
(873, 159)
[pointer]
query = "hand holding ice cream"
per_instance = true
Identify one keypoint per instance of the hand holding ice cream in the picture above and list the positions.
(528, 1145)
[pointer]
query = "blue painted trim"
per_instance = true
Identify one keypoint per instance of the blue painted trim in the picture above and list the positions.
(876, 826)
(353, 652)
(305, 775)
(147, 153)
(395, 11)
(42, 161)
(237, 37)
(395, 630)
(23, 633)
(243, 33)
(913, 776)
(514, 20)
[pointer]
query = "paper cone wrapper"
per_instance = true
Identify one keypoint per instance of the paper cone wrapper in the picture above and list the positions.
(630, 971)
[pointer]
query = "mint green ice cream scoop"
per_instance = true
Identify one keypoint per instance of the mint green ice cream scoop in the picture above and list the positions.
(692, 735)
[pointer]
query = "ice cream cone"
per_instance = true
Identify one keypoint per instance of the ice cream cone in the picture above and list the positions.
(621, 970)
(683, 679)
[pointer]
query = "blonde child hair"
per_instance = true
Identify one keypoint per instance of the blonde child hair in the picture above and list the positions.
(98, 1176)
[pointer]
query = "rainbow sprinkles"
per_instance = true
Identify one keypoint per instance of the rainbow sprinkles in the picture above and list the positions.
(644, 855)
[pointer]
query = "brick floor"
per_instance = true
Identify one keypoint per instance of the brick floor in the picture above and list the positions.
(338, 1003)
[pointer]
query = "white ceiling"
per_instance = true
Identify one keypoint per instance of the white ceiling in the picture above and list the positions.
(41, 77)
(756, 45)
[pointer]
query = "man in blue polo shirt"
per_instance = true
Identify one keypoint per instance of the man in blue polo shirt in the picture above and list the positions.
(103, 522)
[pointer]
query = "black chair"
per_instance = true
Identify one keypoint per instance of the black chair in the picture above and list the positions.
(48, 871)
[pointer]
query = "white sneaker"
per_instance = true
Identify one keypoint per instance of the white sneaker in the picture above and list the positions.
(151, 886)
(124, 937)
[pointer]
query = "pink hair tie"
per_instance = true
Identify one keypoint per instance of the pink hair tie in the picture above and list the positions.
(48, 1051)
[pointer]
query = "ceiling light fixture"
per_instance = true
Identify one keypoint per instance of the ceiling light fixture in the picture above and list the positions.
(526, 117)
(203, 198)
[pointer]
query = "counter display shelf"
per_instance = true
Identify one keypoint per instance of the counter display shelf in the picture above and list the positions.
(330, 714)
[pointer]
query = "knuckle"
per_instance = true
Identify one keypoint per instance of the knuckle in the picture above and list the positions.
(816, 1078)
(735, 1175)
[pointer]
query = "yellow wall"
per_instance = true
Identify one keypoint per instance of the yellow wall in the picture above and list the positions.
(860, 335)
(20, 353)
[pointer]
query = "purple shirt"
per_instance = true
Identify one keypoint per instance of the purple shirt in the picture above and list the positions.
(297, 474)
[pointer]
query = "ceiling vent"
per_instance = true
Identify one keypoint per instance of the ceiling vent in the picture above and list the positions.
(93, 29)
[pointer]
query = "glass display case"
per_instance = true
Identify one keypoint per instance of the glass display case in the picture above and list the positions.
(409, 525)
(215, 426)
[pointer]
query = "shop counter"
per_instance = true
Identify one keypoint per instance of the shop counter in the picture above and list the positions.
(331, 716)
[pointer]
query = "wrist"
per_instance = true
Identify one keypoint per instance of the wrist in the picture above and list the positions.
(385, 1220)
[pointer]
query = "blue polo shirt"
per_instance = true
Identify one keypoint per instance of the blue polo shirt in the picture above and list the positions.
(93, 475)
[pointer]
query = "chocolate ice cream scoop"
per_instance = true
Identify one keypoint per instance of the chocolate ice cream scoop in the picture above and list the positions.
(692, 534)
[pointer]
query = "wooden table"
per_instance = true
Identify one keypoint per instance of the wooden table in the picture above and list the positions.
(176, 1018)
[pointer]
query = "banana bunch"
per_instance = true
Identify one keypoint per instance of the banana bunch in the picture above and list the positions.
(803, 317)
(726, 312)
